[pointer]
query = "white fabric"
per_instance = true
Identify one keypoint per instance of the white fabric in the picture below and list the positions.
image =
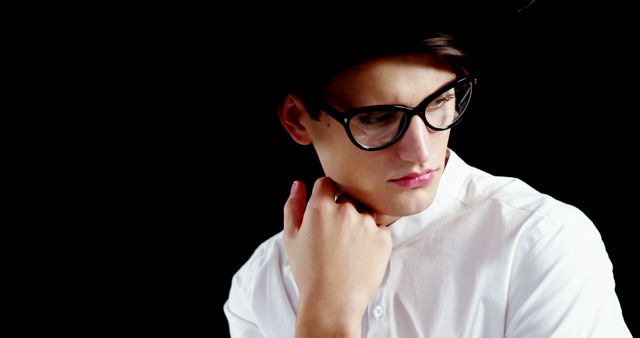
(491, 257)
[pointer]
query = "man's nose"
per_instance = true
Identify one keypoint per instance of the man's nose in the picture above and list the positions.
(414, 145)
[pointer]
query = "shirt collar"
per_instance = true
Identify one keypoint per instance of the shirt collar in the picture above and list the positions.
(446, 204)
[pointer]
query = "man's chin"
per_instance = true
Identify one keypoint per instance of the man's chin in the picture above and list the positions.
(390, 216)
(407, 208)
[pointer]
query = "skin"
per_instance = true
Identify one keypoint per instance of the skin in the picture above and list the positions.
(338, 253)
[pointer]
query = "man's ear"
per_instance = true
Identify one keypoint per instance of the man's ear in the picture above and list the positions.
(292, 113)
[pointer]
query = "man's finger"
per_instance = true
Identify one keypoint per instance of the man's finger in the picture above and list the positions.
(341, 197)
(294, 208)
(323, 189)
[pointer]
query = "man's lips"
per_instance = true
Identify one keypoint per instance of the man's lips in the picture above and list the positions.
(415, 179)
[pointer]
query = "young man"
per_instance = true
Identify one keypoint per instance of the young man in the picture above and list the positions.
(404, 239)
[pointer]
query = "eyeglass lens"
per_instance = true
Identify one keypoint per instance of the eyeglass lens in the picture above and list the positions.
(378, 128)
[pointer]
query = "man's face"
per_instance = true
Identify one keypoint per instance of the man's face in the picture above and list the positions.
(399, 180)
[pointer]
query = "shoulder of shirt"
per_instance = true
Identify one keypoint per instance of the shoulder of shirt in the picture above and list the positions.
(544, 215)
(269, 252)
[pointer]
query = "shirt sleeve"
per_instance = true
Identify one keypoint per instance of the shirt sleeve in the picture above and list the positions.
(237, 310)
(240, 326)
(562, 285)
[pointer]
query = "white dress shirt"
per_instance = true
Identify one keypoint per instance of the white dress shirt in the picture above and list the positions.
(491, 257)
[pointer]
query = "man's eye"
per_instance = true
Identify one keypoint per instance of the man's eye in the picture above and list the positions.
(381, 117)
(440, 101)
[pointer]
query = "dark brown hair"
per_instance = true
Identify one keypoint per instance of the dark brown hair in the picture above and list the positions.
(310, 76)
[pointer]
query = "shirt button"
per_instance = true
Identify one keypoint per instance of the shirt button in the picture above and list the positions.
(378, 312)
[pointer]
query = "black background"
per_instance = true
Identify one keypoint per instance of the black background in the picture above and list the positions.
(553, 108)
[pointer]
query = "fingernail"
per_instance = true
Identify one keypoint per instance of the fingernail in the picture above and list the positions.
(294, 186)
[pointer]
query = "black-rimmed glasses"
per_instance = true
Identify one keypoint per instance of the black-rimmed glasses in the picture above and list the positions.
(378, 127)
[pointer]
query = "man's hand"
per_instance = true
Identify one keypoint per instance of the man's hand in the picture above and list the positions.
(338, 257)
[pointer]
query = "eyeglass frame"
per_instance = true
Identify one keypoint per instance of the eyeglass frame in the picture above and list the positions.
(345, 117)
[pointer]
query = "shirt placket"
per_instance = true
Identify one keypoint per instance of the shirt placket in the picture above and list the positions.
(377, 317)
